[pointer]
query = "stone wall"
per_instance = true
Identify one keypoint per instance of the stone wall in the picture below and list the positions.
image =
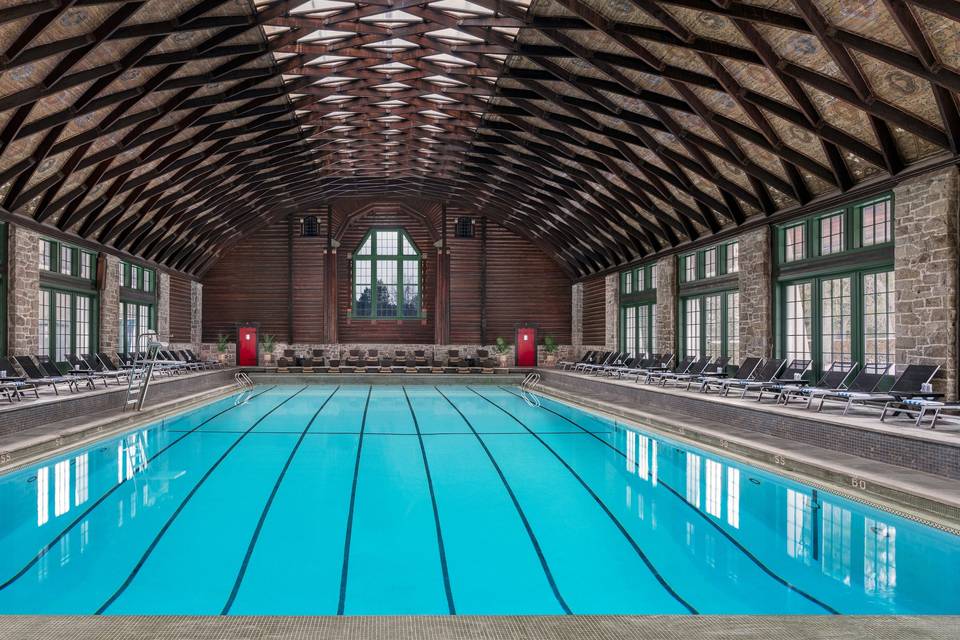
(109, 306)
(756, 294)
(666, 320)
(163, 306)
(23, 291)
(196, 313)
(612, 302)
(576, 315)
(925, 262)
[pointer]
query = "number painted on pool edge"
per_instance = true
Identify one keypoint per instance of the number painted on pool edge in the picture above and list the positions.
(5, 457)
(724, 444)
(780, 460)
(857, 483)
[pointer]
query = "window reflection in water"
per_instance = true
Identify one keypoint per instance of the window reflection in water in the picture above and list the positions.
(879, 557)
(835, 537)
(799, 531)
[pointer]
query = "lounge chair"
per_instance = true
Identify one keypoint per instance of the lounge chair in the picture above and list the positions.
(795, 372)
(611, 358)
(566, 364)
(833, 379)
(745, 371)
(94, 364)
(908, 384)
(38, 378)
(692, 377)
(864, 384)
(352, 361)
(640, 363)
(625, 363)
(696, 369)
(65, 369)
(455, 362)
(14, 385)
(598, 358)
(485, 362)
(212, 364)
(659, 366)
(765, 373)
(654, 375)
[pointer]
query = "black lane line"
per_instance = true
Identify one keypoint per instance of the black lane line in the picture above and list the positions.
(266, 508)
(353, 502)
(166, 526)
(82, 516)
(633, 543)
(436, 512)
(516, 503)
(757, 561)
(409, 435)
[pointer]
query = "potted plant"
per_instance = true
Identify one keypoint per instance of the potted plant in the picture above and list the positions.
(222, 342)
(502, 346)
(550, 346)
(267, 342)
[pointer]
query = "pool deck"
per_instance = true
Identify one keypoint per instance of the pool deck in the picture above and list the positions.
(480, 628)
(893, 465)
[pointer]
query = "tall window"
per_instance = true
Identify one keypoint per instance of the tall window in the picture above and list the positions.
(798, 318)
(690, 267)
(711, 325)
(710, 263)
(386, 276)
(879, 332)
(135, 318)
(733, 257)
(66, 323)
(638, 334)
(836, 320)
(138, 303)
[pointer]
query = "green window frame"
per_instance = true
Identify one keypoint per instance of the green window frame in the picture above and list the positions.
(731, 257)
(638, 279)
(831, 233)
(795, 242)
(135, 318)
(137, 277)
(387, 276)
(67, 324)
(848, 316)
(859, 226)
(67, 260)
(710, 325)
(710, 262)
(638, 328)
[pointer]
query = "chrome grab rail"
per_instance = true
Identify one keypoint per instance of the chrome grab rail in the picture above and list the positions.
(527, 388)
(243, 380)
(147, 345)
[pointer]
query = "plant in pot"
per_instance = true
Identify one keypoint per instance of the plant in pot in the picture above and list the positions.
(267, 342)
(502, 346)
(550, 346)
(222, 342)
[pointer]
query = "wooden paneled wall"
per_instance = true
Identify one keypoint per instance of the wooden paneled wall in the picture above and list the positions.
(594, 311)
(180, 303)
(521, 284)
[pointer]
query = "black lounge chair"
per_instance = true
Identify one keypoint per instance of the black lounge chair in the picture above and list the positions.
(696, 369)
(352, 360)
(909, 384)
(37, 377)
(625, 363)
(792, 375)
(420, 362)
(611, 359)
(717, 366)
(745, 371)
(598, 358)
(765, 373)
(659, 365)
(639, 363)
(566, 364)
(485, 363)
(654, 375)
(833, 379)
(65, 369)
(96, 366)
(14, 385)
(864, 384)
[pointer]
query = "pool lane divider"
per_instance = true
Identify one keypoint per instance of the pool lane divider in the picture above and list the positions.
(93, 505)
(266, 508)
(436, 513)
(757, 561)
(516, 503)
(344, 571)
(183, 504)
(626, 534)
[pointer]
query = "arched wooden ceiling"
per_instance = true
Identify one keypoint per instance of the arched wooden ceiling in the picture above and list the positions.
(604, 130)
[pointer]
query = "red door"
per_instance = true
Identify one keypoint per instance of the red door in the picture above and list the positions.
(526, 347)
(247, 346)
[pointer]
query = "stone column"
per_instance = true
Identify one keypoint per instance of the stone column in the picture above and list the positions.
(110, 305)
(23, 291)
(925, 264)
(196, 314)
(576, 318)
(612, 309)
(756, 294)
(666, 320)
(163, 306)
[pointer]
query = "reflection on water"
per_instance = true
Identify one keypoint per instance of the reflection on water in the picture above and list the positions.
(811, 530)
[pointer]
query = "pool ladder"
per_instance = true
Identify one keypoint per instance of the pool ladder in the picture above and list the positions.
(147, 347)
(243, 380)
(527, 388)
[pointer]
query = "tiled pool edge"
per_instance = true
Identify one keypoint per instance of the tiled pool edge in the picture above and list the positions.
(59, 442)
(477, 627)
(903, 500)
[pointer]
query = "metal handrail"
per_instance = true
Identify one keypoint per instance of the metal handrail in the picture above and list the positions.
(527, 388)
(243, 380)
(147, 345)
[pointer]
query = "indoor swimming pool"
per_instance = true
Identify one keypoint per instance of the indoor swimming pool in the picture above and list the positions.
(350, 500)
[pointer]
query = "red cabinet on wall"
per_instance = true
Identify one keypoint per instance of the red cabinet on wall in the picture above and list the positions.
(526, 346)
(247, 346)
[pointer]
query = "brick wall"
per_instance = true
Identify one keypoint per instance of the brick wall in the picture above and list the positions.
(756, 294)
(925, 262)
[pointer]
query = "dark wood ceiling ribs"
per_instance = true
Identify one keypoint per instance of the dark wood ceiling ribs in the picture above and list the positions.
(603, 130)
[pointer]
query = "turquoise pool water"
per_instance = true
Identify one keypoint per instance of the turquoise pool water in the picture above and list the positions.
(438, 500)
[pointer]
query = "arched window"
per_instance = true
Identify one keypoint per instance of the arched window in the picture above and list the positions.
(386, 276)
